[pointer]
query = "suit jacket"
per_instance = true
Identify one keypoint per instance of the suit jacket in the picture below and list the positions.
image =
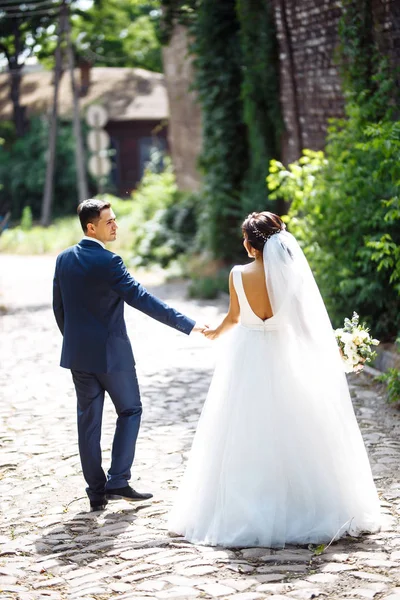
(90, 287)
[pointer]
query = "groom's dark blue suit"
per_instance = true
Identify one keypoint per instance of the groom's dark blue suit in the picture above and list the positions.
(90, 287)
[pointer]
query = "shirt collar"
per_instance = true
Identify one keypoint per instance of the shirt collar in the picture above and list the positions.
(92, 239)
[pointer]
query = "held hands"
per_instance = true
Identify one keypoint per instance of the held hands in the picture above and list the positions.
(210, 334)
(200, 328)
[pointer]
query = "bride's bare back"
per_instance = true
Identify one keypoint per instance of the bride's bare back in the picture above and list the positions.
(253, 276)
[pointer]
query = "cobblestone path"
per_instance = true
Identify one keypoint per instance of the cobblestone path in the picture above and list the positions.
(52, 548)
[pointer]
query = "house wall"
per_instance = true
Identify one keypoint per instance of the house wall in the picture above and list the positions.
(185, 135)
(131, 140)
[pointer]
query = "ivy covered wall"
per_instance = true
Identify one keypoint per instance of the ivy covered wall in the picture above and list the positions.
(311, 89)
(236, 78)
(268, 80)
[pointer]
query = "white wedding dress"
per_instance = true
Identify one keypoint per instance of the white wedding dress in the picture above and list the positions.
(278, 456)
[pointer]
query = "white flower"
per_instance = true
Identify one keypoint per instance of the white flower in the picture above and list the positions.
(353, 340)
(357, 339)
(364, 335)
(350, 348)
(346, 337)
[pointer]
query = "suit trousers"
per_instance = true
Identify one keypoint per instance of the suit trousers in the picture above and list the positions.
(123, 389)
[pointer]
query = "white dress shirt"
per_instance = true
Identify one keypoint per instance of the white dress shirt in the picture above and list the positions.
(92, 239)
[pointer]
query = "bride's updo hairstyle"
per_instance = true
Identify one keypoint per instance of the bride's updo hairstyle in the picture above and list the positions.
(258, 227)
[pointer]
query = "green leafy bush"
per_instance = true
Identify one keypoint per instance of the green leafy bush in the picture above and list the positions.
(164, 220)
(345, 214)
(208, 287)
(170, 233)
(23, 171)
(392, 380)
(387, 248)
(26, 219)
(158, 224)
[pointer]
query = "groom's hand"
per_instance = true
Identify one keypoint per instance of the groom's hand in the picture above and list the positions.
(200, 327)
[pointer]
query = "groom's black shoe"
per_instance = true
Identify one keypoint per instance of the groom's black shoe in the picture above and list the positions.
(97, 505)
(127, 493)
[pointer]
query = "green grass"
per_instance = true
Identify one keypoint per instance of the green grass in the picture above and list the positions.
(41, 240)
(66, 232)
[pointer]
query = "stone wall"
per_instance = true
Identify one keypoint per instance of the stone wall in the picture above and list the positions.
(184, 135)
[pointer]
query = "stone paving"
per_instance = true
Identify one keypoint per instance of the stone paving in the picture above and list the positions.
(51, 547)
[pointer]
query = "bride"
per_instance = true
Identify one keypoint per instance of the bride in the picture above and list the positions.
(278, 456)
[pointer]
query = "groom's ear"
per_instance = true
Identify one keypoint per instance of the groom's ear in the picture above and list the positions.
(90, 228)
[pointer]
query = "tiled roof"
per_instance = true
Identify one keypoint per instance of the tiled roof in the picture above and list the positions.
(126, 93)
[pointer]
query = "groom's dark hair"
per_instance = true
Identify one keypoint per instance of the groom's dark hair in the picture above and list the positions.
(89, 211)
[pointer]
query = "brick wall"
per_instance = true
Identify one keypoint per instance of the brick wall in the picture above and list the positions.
(310, 85)
(387, 28)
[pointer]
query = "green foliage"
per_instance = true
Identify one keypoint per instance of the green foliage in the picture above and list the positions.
(119, 33)
(344, 212)
(141, 44)
(116, 33)
(392, 380)
(236, 77)
(317, 550)
(7, 134)
(156, 191)
(65, 232)
(367, 77)
(22, 28)
(224, 159)
(19, 36)
(157, 225)
(164, 220)
(23, 171)
(387, 248)
(121, 207)
(345, 205)
(208, 287)
(26, 220)
(177, 12)
(260, 96)
(356, 53)
(41, 240)
(296, 183)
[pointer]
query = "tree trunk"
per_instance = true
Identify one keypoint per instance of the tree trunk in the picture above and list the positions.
(47, 202)
(15, 80)
(83, 193)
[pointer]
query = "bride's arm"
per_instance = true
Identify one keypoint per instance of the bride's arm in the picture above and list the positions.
(232, 317)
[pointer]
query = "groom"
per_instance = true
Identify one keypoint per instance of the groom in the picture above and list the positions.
(90, 287)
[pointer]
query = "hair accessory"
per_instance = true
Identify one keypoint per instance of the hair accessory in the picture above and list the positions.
(265, 237)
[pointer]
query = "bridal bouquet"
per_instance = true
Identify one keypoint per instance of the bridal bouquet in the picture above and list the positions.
(355, 344)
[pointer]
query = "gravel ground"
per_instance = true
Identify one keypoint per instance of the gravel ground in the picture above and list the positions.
(51, 547)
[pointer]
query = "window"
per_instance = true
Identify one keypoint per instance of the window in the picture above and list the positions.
(151, 150)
